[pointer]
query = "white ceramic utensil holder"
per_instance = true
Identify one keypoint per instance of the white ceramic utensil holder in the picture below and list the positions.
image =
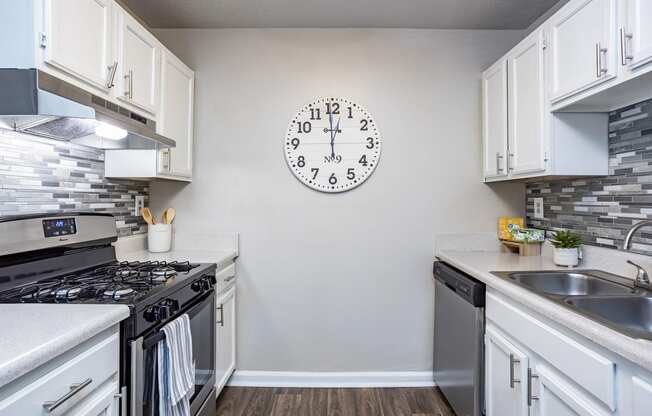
(159, 238)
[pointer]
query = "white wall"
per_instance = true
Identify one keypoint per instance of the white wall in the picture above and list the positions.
(338, 282)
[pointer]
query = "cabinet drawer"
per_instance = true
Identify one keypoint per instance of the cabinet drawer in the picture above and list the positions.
(592, 371)
(85, 373)
(225, 278)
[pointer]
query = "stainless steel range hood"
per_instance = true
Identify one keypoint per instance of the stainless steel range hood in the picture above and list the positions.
(34, 102)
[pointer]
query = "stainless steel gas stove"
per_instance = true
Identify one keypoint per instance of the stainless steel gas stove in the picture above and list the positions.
(70, 259)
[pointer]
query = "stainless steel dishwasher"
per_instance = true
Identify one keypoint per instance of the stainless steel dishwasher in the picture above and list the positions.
(459, 339)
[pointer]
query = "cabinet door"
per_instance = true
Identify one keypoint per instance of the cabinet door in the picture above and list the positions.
(505, 376)
(494, 120)
(642, 397)
(139, 65)
(583, 48)
(526, 106)
(555, 397)
(226, 330)
(78, 39)
(105, 402)
(176, 116)
(636, 35)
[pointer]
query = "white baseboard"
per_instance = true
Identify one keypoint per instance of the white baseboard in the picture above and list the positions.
(243, 378)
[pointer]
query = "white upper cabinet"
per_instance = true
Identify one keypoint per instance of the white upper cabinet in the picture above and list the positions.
(77, 39)
(494, 120)
(527, 140)
(139, 63)
(636, 34)
(583, 47)
(176, 116)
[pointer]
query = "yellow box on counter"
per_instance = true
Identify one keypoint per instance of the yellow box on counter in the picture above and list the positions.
(503, 226)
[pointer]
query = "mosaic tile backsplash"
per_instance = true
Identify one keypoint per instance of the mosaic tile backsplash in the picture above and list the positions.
(41, 175)
(602, 209)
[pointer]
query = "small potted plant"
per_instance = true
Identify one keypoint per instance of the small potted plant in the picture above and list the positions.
(566, 248)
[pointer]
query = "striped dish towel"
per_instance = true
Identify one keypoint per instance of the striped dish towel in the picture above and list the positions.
(176, 371)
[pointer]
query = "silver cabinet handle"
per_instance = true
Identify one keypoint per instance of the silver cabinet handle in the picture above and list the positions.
(228, 279)
(510, 158)
(599, 52)
(74, 389)
(512, 379)
(166, 160)
(221, 321)
(530, 397)
(498, 168)
(129, 92)
(111, 76)
(624, 38)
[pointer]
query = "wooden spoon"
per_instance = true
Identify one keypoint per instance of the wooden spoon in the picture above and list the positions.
(147, 216)
(168, 215)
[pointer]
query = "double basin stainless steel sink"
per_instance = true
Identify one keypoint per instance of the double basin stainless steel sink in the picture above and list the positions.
(606, 298)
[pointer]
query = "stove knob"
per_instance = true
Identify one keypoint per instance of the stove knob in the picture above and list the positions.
(164, 312)
(152, 314)
(196, 286)
(205, 284)
(212, 280)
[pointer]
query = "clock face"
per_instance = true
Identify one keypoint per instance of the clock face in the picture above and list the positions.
(332, 145)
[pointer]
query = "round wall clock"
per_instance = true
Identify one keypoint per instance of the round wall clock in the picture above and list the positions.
(332, 145)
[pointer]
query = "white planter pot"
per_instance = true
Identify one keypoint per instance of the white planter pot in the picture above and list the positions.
(568, 257)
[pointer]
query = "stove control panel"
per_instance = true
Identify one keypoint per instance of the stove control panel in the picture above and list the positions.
(161, 311)
(58, 227)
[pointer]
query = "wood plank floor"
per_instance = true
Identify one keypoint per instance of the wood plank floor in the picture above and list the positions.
(249, 401)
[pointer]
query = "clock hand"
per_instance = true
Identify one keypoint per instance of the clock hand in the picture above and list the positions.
(330, 121)
(337, 129)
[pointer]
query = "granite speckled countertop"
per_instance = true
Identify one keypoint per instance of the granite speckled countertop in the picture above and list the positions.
(33, 334)
(479, 264)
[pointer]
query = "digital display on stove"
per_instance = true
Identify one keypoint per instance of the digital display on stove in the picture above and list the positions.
(59, 226)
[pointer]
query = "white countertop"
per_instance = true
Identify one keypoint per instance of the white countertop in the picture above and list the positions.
(33, 334)
(479, 264)
(194, 256)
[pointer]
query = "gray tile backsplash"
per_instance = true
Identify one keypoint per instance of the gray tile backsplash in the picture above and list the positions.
(42, 175)
(602, 209)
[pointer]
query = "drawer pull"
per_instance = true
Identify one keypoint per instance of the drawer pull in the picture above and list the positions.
(530, 397)
(228, 279)
(221, 321)
(74, 389)
(512, 379)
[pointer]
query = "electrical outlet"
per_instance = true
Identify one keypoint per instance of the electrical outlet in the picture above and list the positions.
(140, 204)
(538, 208)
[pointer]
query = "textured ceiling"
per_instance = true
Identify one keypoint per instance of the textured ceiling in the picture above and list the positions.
(430, 14)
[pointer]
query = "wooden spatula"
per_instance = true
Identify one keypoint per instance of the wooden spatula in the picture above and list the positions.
(147, 216)
(168, 215)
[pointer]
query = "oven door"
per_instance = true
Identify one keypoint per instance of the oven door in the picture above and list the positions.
(144, 397)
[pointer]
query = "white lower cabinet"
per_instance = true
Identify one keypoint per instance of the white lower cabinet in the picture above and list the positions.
(506, 368)
(556, 397)
(536, 367)
(225, 330)
(81, 382)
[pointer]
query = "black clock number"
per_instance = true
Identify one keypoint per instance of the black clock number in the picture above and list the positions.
(370, 142)
(333, 179)
(315, 171)
(305, 127)
(315, 114)
(350, 111)
(332, 108)
(364, 123)
(350, 174)
(295, 143)
(301, 162)
(363, 160)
